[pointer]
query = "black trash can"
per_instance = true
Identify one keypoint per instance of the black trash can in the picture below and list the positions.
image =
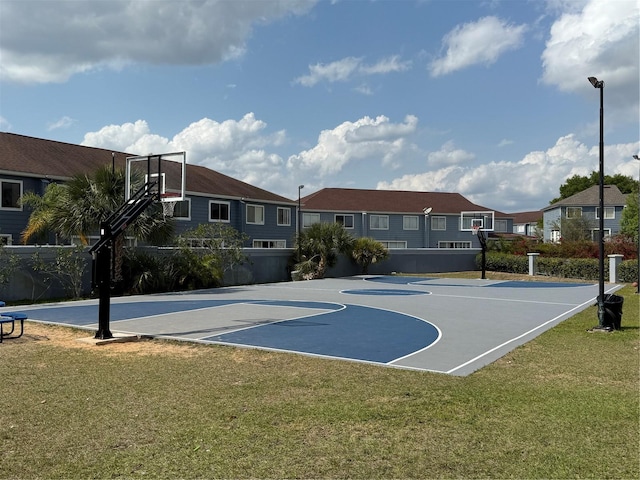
(613, 311)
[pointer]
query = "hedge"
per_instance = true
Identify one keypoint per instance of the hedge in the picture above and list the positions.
(583, 268)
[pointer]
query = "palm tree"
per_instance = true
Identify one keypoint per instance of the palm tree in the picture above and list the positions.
(78, 207)
(320, 245)
(366, 251)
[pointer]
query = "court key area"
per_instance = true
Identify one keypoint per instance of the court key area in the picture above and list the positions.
(449, 326)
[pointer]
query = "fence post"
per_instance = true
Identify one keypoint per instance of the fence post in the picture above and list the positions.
(533, 263)
(614, 261)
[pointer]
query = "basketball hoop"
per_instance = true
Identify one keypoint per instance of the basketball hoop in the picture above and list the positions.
(168, 204)
(475, 229)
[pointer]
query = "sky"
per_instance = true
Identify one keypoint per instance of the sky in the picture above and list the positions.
(486, 98)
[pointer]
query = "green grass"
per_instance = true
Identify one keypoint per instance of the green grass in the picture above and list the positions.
(564, 405)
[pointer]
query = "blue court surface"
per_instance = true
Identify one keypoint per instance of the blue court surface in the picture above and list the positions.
(444, 325)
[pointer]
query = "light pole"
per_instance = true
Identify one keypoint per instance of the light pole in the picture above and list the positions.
(638, 277)
(601, 323)
(427, 211)
(298, 224)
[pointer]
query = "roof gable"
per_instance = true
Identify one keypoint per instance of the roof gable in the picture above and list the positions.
(389, 201)
(29, 156)
(591, 198)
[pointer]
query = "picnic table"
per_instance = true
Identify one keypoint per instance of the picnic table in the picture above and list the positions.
(11, 318)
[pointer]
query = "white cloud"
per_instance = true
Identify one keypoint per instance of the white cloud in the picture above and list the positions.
(349, 67)
(600, 40)
(449, 155)
(238, 148)
(528, 184)
(367, 138)
(80, 36)
(64, 122)
(5, 126)
(477, 43)
(504, 142)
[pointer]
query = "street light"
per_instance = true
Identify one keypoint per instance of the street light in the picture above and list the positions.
(298, 224)
(427, 211)
(638, 277)
(601, 323)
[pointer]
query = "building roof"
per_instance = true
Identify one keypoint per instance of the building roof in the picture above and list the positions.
(527, 217)
(591, 198)
(389, 201)
(35, 157)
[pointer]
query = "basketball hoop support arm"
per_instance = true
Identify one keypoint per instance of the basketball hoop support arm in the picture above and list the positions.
(102, 251)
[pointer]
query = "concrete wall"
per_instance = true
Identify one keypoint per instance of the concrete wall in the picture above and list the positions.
(264, 266)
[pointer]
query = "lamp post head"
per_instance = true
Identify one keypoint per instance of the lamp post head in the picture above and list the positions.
(636, 157)
(300, 187)
(595, 82)
(427, 210)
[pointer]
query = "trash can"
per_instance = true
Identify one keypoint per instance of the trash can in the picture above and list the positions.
(613, 311)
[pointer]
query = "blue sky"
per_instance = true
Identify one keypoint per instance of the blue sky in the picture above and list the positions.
(486, 98)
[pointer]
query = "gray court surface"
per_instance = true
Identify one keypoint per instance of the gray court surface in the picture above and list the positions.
(450, 326)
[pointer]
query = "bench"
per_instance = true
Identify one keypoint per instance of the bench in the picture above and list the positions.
(11, 318)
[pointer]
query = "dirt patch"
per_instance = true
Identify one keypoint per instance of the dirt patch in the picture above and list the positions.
(72, 338)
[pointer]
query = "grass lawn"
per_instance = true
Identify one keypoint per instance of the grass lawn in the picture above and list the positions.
(564, 405)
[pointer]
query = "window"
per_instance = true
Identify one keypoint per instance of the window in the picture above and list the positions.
(218, 211)
(10, 193)
(555, 236)
(379, 222)
(182, 210)
(574, 212)
(393, 244)
(255, 214)
(609, 213)
(438, 223)
(454, 244)
(5, 239)
(501, 225)
(595, 234)
(309, 219)
(269, 244)
(284, 216)
(410, 222)
(345, 220)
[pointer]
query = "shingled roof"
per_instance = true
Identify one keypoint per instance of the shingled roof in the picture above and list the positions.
(389, 201)
(36, 157)
(527, 217)
(591, 197)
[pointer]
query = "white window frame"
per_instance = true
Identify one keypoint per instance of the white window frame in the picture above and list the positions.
(576, 212)
(286, 216)
(435, 220)
(18, 207)
(255, 208)
(501, 226)
(259, 243)
(378, 219)
(188, 216)
(454, 244)
(393, 244)
(609, 213)
(309, 219)
(220, 202)
(344, 221)
(407, 219)
(554, 236)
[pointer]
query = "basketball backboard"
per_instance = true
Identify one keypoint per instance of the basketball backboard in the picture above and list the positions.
(164, 174)
(484, 220)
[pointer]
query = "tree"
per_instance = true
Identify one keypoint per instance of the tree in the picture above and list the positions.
(206, 253)
(76, 209)
(366, 251)
(579, 183)
(320, 245)
(575, 229)
(629, 219)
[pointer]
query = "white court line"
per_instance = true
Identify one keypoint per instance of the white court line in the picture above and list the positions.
(565, 314)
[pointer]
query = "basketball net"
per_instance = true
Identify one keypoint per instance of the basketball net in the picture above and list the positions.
(475, 229)
(168, 207)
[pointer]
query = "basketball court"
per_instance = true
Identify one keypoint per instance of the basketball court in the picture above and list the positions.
(450, 326)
